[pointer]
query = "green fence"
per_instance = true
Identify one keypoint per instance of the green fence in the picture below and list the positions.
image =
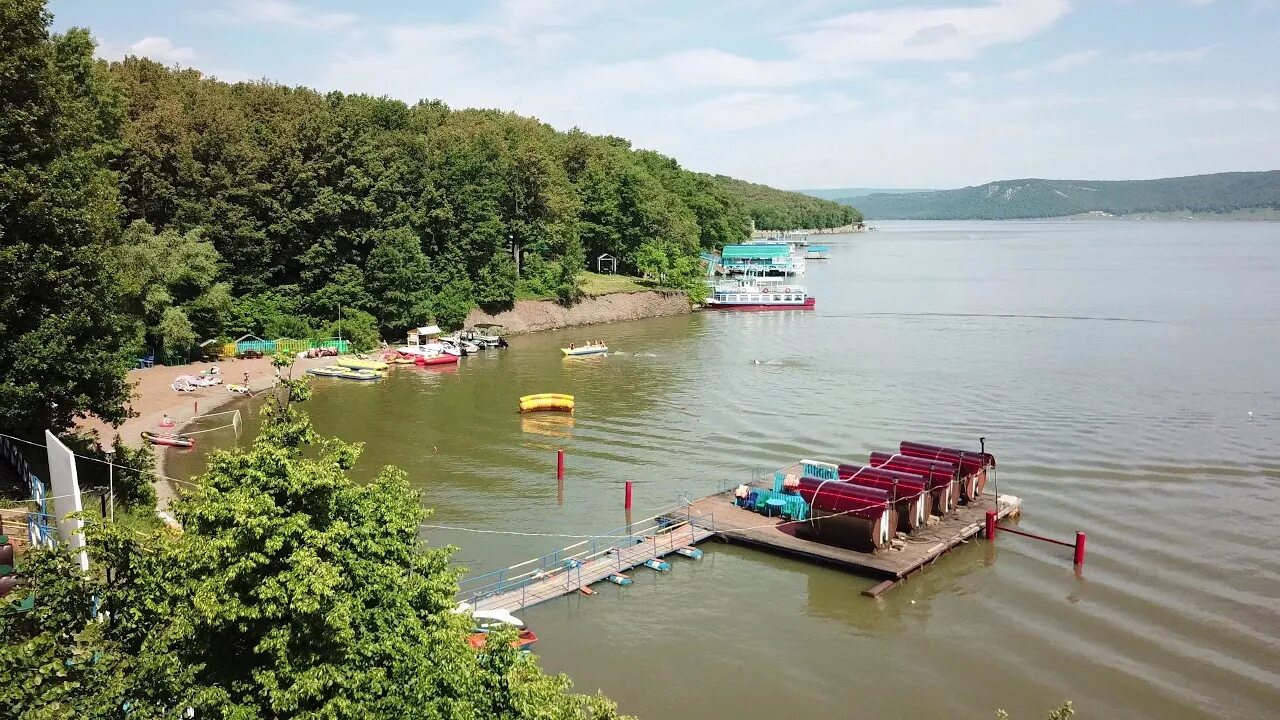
(292, 347)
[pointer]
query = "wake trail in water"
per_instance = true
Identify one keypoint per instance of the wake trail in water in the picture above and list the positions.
(1000, 316)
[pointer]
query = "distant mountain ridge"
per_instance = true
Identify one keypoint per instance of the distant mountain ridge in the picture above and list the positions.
(842, 193)
(1035, 198)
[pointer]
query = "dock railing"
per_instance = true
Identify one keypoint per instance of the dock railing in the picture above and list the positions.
(660, 532)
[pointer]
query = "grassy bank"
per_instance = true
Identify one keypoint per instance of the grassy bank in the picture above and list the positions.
(595, 285)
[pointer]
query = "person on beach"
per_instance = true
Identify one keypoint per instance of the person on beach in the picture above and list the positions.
(246, 378)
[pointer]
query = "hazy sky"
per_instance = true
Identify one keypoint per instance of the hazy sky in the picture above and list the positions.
(798, 93)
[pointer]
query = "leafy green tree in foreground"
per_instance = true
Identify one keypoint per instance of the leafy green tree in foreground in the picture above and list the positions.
(59, 329)
(293, 592)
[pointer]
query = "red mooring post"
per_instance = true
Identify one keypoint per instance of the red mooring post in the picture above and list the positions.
(991, 525)
(1080, 538)
(560, 464)
(627, 502)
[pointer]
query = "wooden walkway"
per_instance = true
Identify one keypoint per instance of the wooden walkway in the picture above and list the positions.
(716, 515)
(564, 580)
(734, 524)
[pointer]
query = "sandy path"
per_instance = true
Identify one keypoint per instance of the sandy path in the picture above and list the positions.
(153, 398)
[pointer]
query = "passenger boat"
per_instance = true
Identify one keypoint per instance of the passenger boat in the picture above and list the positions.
(588, 349)
(345, 373)
(169, 439)
(760, 293)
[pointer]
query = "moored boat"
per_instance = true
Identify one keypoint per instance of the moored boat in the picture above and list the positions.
(442, 359)
(359, 363)
(345, 373)
(168, 439)
(760, 293)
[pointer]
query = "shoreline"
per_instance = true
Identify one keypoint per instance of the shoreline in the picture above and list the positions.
(153, 398)
(530, 316)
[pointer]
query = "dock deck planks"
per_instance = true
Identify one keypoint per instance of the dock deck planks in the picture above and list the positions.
(717, 515)
(568, 580)
(735, 524)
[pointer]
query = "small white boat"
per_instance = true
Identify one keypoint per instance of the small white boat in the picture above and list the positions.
(591, 349)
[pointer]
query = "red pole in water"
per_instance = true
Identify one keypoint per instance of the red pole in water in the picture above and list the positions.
(627, 502)
(1080, 538)
(560, 464)
(195, 407)
(991, 524)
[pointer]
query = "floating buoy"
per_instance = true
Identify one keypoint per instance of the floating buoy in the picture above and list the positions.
(690, 552)
(619, 579)
(656, 564)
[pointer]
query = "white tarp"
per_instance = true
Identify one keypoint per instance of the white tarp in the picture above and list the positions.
(66, 495)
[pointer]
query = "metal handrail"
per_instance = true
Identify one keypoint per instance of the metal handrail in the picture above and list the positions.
(504, 583)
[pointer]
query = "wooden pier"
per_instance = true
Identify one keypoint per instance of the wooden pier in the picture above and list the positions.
(892, 564)
(572, 574)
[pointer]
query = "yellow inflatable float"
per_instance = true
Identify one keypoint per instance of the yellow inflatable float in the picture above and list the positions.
(546, 401)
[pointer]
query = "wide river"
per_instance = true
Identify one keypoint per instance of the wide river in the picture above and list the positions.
(1125, 374)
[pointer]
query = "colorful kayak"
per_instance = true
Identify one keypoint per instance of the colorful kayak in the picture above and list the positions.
(344, 373)
(169, 439)
(585, 350)
(361, 364)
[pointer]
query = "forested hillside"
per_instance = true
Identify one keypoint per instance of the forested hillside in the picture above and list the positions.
(773, 209)
(306, 202)
(1007, 199)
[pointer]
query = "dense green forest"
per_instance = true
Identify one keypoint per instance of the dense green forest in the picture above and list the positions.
(1008, 199)
(773, 209)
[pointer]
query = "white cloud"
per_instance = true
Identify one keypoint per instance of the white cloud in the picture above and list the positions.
(1058, 65)
(920, 33)
(1200, 3)
(1169, 57)
(289, 14)
(960, 78)
(160, 49)
(1072, 60)
(748, 110)
(696, 68)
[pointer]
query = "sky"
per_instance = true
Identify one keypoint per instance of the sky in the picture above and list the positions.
(792, 93)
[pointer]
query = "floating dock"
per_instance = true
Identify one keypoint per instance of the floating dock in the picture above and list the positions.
(919, 549)
(586, 563)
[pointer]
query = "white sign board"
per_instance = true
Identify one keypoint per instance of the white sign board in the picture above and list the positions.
(66, 495)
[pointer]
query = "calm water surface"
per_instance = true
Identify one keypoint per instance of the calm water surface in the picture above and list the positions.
(1112, 367)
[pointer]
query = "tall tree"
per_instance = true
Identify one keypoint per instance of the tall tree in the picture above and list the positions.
(167, 282)
(59, 329)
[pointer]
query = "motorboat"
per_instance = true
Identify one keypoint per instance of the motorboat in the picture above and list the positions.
(488, 620)
(445, 359)
(593, 348)
(168, 439)
(485, 335)
(457, 340)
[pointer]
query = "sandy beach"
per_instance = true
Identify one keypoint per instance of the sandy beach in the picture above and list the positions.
(153, 399)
